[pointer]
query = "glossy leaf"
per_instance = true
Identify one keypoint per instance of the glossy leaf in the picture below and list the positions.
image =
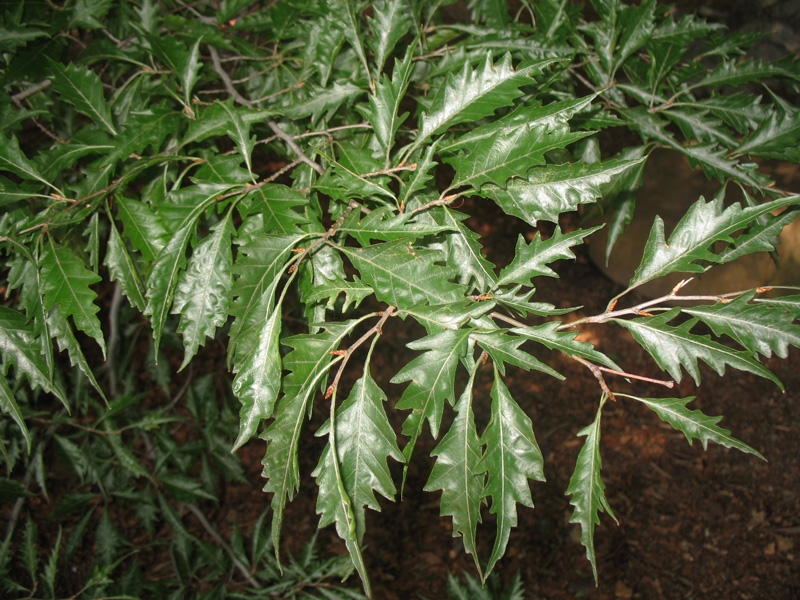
(512, 457)
(694, 424)
(549, 191)
(702, 225)
(65, 282)
(84, 89)
(588, 490)
(674, 347)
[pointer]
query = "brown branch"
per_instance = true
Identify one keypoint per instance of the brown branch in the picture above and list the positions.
(226, 79)
(375, 329)
(438, 202)
(34, 89)
(294, 147)
(390, 170)
(598, 373)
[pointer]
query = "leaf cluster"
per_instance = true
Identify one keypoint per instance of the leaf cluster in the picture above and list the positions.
(286, 178)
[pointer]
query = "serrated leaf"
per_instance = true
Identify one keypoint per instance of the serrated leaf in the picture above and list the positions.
(702, 225)
(61, 330)
(673, 347)
(588, 490)
(354, 292)
(50, 570)
(344, 12)
(432, 382)
(386, 224)
(504, 348)
(13, 160)
(239, 131)
(549, 117)
(420, 178)
(736, 73)
(757, 327)
(143, 129)
(549, 335)
(276, 205)
(126, 458)
(260, 260)
(203, 292)
(142, 227)
(323, 101)
(258, 380)
(521, 304)
(402, 276)
(777, 137)
(384, 106)
(455, 473)
(388, 26)
(215, 120)
(28, 551)
(531, 260)
(462, 248)
(123, 270)
(18, 346)
(65, 281)
(512, 457)
(83, 88)
(740, 111)
(164, 277)
(364, 442)
(474, 94)
(9, 405)
(635, 24)
(694, 424)
(701, 127)
(761, 238)
(549, 191)
(504, 155)
(436, 318)
(714, 162)
(308, 362)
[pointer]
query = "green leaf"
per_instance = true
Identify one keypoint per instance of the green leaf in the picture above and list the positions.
(12, 159)
(761, 238)
(463, 250)
(142, 227)
(384, 106)
(504, 155)
(385, 224)
(703, 224)
(170, 262)
(694, 424)
(455, 473)
(531, 260)
(364, 442)
(65, 281)
(354, 292)
(344, 12)
(203, 292)
(588, 490)
(275, 204)
(215, 120)
(673, 347)
(757, 327)
(504, 348)
(390, 24)
(701, 126)
(308, 362)
(512, 458)
(777, 137)
(260, 260)
(549, 335)
(61, 330)
(636, 24)
(122, 268)
(436, 318)
(736, 73)
(432, 381)
(257, 382)
(143, 129)
(472, 95)
(323, 101)
(402, 276)
(8, 404)
(83, 88)
(715, 164)
(549, 191)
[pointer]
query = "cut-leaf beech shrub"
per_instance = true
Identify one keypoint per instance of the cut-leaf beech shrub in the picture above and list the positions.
(262, 172)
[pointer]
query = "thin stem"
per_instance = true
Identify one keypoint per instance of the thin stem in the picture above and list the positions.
(597, 372)
(34, 89)
(218, 538)
(226, 79)
(294, 147)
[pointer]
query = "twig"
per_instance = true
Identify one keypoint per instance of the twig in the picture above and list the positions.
(226, 79)
(437, 202)
(325, 236)
(673, 296)
(597, 372)
(375, 329)
(668, 384)
(294, 147)
(332, 130)
(34, 89)
(223, 544)
(390, 170)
